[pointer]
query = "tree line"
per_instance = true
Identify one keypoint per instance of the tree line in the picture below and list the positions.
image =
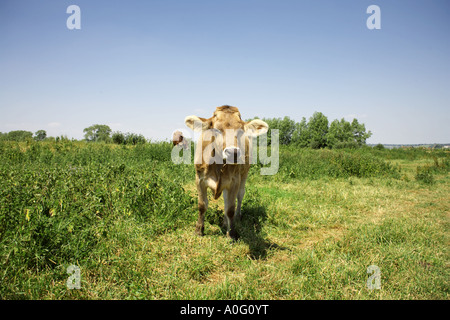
(315, 133)
(94, 133)
(318, 133)
(23, 135)
(103, 133)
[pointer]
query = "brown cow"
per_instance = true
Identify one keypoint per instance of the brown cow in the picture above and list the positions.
(222, 161)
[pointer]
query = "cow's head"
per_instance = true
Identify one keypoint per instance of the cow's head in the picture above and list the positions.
(179, 140)
(226, 131)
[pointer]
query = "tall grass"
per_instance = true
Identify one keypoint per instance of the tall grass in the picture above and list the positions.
(58, 201)
(298, 163)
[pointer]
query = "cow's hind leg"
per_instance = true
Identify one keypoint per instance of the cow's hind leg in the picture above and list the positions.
(230, 207)
(202, 207)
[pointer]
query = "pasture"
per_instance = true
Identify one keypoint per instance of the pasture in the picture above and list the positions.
(125, 215)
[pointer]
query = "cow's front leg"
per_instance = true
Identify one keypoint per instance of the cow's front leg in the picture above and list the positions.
(240, 196)
(202, 207)
(229, 197)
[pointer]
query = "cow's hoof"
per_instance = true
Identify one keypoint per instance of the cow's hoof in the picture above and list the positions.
(199, 232)
(232, 234)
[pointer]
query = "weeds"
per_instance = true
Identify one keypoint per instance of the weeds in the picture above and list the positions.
(314, 164)
(425, 174)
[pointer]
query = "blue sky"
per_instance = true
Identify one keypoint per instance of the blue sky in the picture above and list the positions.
(143, 66)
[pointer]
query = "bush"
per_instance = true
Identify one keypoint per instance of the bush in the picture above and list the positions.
(424, 175)
(128, 138)
(134, 139)
(118, 138)
(305, 163)
(346, 145)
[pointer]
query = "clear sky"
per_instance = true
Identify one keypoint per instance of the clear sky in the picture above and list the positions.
(143, 66)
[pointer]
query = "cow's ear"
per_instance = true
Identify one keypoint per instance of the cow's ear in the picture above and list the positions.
(256, 127)
(197, 124)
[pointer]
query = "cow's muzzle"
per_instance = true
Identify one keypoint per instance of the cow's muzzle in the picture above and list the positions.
(231, 155)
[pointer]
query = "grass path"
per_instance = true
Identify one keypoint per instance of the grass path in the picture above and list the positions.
(305, 240)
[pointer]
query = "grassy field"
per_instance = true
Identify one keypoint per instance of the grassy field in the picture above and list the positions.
(125, 215)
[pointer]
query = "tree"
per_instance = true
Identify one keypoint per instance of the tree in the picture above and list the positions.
(300, 136)
(318, 129)
(343, 134)
(333, 135)
(317, 134)
(286, 127)
(19, 135)
(97, 132)
(359, 132)
(40, 135)
(340, 134)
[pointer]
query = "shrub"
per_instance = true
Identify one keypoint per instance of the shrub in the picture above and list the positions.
(118, 138)
(128, 138)
(425, 175)
(305, 163)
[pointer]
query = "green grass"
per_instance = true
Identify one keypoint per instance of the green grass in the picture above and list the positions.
(126, 217)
